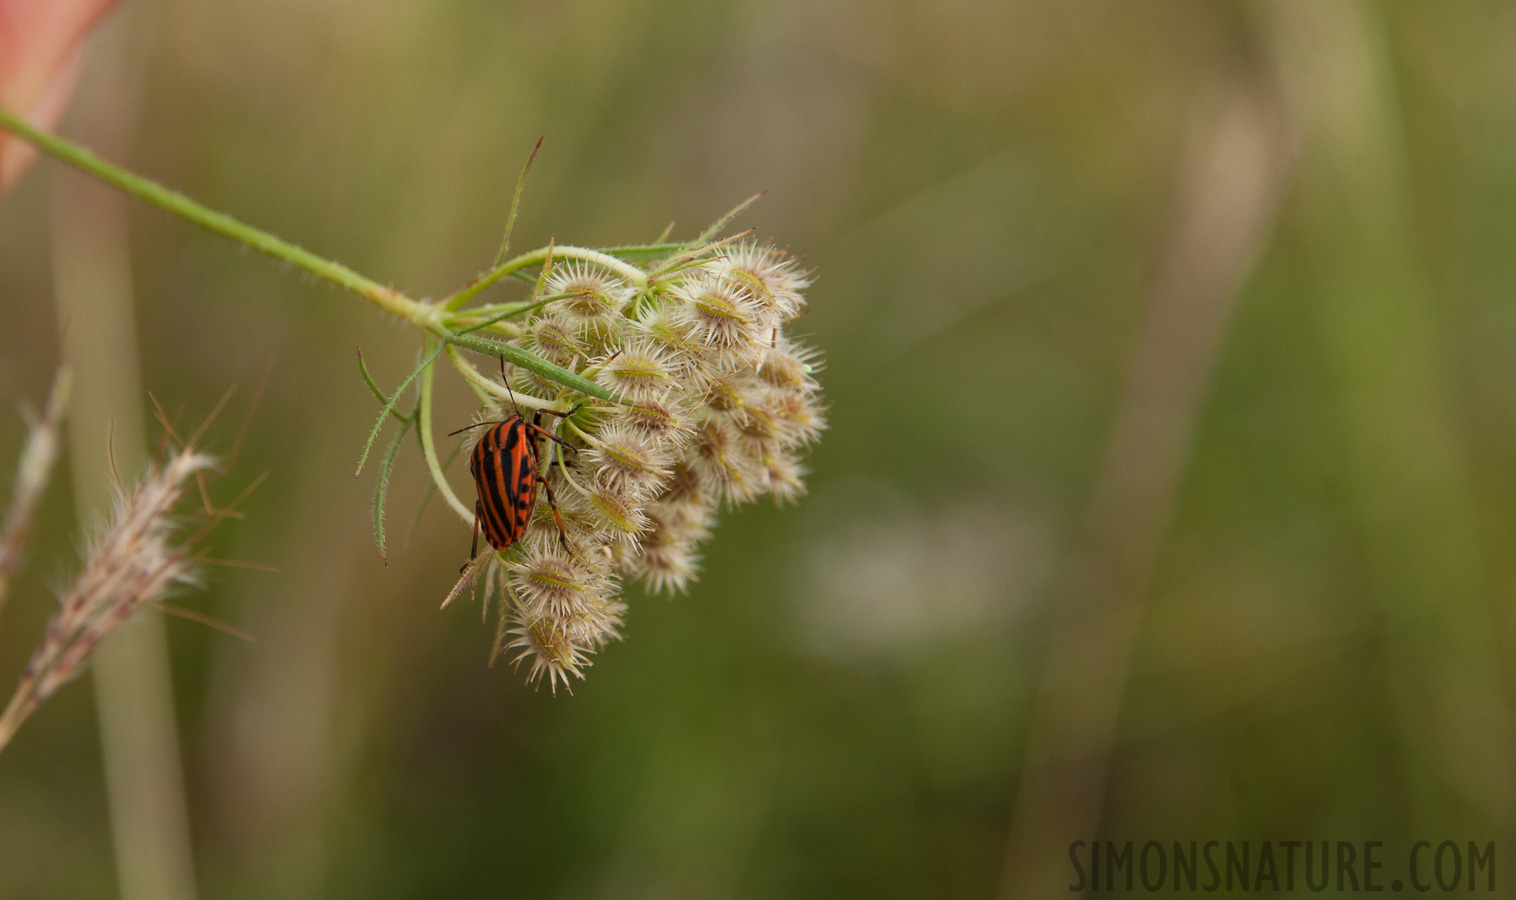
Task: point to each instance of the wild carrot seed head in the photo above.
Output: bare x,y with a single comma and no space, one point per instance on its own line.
715,401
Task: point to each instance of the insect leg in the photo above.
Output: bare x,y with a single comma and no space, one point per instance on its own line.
538,429
507,382
552,501
562,415
473,549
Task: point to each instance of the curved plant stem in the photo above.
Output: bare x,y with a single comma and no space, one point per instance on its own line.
429,449
16,711
431,319
155,194
536,257
480,382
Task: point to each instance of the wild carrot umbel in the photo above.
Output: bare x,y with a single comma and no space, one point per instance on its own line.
676,386
716,405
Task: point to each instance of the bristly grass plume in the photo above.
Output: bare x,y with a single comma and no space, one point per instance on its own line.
147,549
687,393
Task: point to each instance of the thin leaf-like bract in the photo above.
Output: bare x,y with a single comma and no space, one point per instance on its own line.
510,220
389,406
374,385
720,224
382,486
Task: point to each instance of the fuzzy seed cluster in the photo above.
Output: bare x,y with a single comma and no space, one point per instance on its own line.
718,403
136,560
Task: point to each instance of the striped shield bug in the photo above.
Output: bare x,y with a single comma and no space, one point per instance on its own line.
505,466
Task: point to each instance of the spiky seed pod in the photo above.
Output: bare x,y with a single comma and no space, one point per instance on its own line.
668,424
685,485
594,624
675,334
550,581
669,560
555,338
771,278
760,427
548,649
585,291
789,366
529,383
800,419
628,461
667,565
639,371
722,319
724,463
785,477
724,395
619,520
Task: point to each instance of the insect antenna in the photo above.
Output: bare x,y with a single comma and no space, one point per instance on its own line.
470,427
561,414
505,381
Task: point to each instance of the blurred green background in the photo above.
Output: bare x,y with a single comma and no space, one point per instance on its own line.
1173,404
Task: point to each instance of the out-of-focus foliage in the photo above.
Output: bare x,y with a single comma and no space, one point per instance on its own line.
984,190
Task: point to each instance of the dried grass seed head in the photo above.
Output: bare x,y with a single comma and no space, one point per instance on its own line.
132,562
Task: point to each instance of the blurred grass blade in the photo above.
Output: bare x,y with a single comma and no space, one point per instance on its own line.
33,472
172,202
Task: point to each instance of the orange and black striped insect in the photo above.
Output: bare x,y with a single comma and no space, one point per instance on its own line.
506,475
